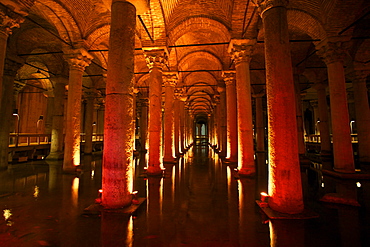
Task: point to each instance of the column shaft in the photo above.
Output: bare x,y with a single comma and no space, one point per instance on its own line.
260,127
323,124
118,122
232,127
285,186
56,146
144,125
342,143
170,82
89,112
362,117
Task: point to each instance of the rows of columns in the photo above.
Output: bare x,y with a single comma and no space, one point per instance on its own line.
281,104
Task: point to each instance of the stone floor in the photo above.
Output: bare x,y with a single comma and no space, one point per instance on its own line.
199,203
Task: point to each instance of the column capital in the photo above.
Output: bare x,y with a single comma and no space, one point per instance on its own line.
265,5
156,57
78,59
9,20
241,49
229,77
170,78
19,85
333,49
259,95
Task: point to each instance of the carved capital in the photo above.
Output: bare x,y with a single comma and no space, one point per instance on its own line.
333,49
9,20
241,50
265,5
155,57
78,59
170,79
229,77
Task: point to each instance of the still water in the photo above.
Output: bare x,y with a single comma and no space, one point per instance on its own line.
198,202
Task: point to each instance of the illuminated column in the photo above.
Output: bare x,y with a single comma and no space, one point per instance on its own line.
223,117
232,127
118,119
170,79
56,146
144,124
182,123
362,115
217,120
259,126
285,186
241,51
332,52
323,115
6,107
156,58
89,114
8,21
77,59
177,119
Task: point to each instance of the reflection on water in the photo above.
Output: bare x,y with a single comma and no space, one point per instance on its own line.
198,202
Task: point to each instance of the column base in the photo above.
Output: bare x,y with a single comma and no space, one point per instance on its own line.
272,214
339,199
155,171
55,156
96,208
247,172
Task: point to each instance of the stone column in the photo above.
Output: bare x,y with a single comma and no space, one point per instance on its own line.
89,114
77,59
232,127
300,126
6,107
223,116
155,60
118,123
49,111
144,124
182,123
332,52
8,21
56,146
241,51
285,187
362,115
177,117
323,115
170,80
259,126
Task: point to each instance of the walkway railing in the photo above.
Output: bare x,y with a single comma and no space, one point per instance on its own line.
33,139
317,139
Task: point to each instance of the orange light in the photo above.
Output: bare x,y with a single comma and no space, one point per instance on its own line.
264,197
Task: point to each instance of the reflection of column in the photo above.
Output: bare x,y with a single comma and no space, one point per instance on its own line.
170,79
115,228
6,108
154,205
362,115
285,233
89,113
285,186
78,59
118,123
333,54
323,115
241,51
155,60
232,135
56,147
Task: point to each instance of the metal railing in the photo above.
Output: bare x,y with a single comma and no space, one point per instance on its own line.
317,138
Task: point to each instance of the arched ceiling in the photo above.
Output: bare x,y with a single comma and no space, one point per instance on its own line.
195,32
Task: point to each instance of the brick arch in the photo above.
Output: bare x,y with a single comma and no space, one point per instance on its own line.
306,23
201,24
61,18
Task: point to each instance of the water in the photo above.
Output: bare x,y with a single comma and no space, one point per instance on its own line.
198,202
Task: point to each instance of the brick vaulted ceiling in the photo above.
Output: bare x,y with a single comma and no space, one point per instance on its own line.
196,33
